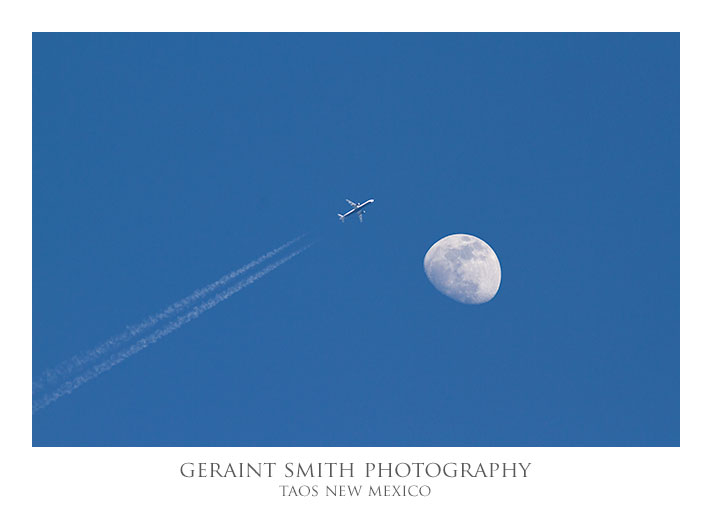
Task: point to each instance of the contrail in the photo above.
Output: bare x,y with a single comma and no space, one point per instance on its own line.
69,366
69,386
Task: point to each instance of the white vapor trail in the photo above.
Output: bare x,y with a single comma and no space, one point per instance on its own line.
69,386
77,362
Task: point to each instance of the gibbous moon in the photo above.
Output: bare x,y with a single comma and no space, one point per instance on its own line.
464,268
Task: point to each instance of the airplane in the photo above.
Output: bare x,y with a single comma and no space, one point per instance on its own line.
358,208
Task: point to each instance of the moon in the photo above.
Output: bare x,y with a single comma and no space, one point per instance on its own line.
464,268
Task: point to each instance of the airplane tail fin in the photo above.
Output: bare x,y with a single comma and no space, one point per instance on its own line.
340,217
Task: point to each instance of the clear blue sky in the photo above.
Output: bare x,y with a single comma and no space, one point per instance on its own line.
160,162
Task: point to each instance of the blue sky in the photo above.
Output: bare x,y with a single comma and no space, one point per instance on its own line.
163,161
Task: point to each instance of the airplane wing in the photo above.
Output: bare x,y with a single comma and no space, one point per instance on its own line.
351,203
360,216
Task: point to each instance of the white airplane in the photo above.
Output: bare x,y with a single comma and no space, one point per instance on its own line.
358,208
